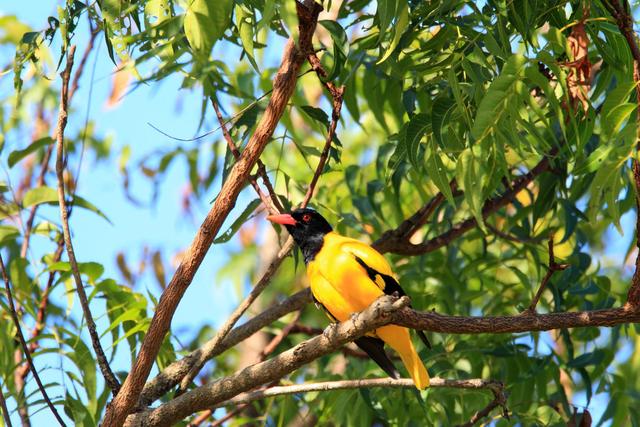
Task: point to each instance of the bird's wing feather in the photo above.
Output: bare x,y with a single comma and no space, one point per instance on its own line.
374,347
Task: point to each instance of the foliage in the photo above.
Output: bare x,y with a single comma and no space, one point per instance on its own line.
476,92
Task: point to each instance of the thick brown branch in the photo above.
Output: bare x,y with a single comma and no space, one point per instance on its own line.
109,376
212,346
212,394
400,246
23,344
172,374
283,87
524,322
553,267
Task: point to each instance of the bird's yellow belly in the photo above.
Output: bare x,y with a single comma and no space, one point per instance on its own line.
342,296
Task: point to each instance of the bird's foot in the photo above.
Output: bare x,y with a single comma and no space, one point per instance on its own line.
330,331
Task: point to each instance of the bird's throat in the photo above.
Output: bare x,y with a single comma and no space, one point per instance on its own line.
310,247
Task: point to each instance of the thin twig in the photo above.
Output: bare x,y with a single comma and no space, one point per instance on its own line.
41,315
494,386
410,226
500,399
109,376
553,267
275,341
212,346
44,165
227,417
272,204
5,411
336,102
23,344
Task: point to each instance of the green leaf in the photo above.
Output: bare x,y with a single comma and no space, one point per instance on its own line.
340,47
438,174
16,156
402,12
245,22
205,22
501,91
39,195
615,118
594,161
385,11
317,114
227,235
471,181
442,108
592,358
84,203
82,358
8,233
416,129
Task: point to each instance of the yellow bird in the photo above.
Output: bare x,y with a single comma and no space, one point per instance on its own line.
346,276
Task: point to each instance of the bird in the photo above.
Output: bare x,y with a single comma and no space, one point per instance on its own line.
346,276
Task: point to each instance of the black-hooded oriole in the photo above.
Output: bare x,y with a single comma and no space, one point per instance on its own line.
346,276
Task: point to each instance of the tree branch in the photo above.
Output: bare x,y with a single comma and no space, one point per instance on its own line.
23,344
213,394
275,341
553,267
392,243
283,87
500,399
109,376
210,395
213,345
5,411
273,205
336,101
524,322
494,386
172,374
411,225
44,165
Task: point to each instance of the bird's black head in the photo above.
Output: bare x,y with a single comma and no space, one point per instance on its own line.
307,227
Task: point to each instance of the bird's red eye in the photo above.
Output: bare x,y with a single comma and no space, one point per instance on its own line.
306,217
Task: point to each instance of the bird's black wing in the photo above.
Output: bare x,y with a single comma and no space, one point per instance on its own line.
391,286
374,347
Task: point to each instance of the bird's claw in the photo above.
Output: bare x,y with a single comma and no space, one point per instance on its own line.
330,330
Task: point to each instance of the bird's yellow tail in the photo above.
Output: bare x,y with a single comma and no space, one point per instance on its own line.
399,339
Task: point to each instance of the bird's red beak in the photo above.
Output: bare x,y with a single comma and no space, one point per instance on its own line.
284,219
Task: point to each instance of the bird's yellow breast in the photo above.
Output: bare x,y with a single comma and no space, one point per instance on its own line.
338,281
